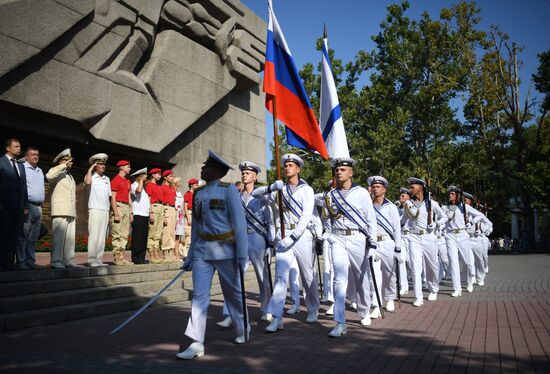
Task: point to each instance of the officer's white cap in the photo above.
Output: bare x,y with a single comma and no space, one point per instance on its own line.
291,157
139,172
218,160
64,154
342,161
377,179
413,180
98,157
249,165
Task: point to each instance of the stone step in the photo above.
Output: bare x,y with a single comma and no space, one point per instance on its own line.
82,272
65,284
83,295
48,316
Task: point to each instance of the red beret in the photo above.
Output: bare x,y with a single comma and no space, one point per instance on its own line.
167,172
123,163
192,181
154,171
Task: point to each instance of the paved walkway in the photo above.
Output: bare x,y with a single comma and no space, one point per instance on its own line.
502,327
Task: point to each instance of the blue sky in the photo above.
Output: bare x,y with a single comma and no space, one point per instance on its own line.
351,23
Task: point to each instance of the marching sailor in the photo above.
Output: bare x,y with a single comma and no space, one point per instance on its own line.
404,195
261,233
477,234
351,234
388,236
458,241
219,241
298,209
422,239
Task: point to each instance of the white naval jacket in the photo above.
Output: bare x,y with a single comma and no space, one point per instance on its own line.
217,210
416,215
455,215
304,195
360,199
393,223
262,218
63,191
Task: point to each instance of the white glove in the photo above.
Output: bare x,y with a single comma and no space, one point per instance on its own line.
276,186
477,232
374,254
284,244
399,256
487,232
331,239
431,227
242,262
469,225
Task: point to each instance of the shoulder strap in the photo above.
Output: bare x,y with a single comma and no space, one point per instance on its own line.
351,212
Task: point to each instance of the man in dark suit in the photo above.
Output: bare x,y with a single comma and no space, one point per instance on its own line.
14,204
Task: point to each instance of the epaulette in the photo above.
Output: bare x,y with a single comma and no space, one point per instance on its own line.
224,184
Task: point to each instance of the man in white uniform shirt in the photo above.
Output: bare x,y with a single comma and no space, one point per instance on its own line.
141,210
404,195
99,187
422,239
390,246
298,208
351,232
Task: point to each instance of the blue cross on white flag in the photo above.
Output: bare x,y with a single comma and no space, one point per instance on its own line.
330,120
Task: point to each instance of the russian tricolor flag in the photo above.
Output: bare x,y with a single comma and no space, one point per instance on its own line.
282,82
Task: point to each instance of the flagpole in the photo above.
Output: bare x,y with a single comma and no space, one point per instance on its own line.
278,165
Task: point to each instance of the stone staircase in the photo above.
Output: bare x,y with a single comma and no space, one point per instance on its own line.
43,297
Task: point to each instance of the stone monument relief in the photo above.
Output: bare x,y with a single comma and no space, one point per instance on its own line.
156,81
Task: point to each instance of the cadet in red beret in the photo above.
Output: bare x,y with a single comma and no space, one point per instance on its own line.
188,202
156,216
169,229
122,212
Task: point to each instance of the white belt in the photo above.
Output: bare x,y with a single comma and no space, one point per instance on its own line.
381,238
419,232
345,232
456,231
290,226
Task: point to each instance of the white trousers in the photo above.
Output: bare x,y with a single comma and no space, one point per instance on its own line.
203,272
443,257
63,237
478,248
302,251
457,245
423,249
403,266
98,220
486,247
294,282
384,271
349,259
328,272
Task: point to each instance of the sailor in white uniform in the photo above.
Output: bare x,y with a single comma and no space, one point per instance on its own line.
388,236
298,209
219,242
261,235
458,240
477,242
352,236
404,195
422,239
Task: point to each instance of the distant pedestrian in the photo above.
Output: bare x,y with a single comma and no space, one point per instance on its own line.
141,209
28,237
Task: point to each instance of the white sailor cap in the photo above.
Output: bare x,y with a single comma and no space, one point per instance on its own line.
454,189
291,157
413,180
469,195
377,179
215,160
98,157
139,172
249,165
64,154
404,190
342,161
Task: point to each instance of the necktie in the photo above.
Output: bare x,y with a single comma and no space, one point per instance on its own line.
15,167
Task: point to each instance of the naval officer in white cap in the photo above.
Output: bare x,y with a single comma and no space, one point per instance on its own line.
352,236
98,186
261,234
219,242
298,208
